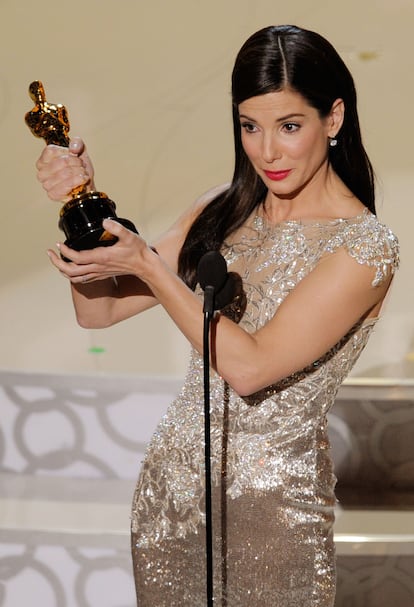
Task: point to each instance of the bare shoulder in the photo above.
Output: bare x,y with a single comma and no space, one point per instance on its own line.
186,219
170,242
202,201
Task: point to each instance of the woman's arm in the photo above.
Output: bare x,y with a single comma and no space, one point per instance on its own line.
313,318
113,296
321,309
106,301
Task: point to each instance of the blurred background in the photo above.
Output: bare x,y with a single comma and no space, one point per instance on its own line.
147,85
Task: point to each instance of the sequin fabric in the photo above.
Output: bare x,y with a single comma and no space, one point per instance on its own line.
272,474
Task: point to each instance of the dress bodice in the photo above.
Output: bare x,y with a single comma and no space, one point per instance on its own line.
271,470
273,259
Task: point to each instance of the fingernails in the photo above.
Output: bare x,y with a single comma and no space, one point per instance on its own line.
109,219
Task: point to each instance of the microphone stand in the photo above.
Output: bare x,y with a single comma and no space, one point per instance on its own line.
219,290
208,311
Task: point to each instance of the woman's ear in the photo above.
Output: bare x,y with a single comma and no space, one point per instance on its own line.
336,118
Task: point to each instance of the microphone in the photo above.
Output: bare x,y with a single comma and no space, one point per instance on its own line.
218,285
212,270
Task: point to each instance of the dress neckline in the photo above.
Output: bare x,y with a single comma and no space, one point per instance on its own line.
261,221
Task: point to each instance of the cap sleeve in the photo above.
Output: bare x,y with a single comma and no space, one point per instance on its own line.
371,243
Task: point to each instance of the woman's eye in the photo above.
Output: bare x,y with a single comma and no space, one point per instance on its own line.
248,127
291,127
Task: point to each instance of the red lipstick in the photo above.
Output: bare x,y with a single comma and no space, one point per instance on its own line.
277,175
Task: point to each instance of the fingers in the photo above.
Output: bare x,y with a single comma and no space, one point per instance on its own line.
115,228
88,260
62,176
60,170
123,257
81,266
77,146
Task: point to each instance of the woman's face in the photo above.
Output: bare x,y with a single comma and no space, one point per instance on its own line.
286,140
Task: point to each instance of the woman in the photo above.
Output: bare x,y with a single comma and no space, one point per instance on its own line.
298,225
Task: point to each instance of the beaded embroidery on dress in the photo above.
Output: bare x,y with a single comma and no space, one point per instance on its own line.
273,481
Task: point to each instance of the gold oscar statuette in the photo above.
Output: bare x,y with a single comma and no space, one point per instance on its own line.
80,218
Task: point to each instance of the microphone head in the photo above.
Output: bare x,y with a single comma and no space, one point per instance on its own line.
227,293
212,270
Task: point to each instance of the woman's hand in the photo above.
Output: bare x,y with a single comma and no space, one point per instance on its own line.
60,170
129,256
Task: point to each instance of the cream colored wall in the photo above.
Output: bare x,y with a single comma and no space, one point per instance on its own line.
147,86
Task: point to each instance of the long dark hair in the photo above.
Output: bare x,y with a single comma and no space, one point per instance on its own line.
273,59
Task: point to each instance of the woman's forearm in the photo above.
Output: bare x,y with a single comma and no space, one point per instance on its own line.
232,346
103,303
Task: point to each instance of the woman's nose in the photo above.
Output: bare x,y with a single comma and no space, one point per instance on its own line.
270,151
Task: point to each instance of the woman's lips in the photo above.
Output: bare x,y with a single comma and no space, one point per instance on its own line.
277,175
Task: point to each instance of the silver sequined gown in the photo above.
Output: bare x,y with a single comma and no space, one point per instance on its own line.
273,482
